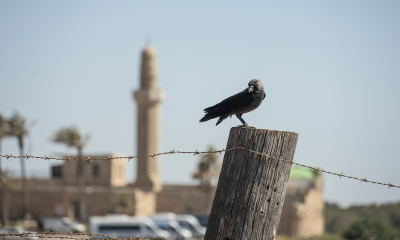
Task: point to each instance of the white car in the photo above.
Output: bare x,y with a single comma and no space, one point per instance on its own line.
56,224
192,224
186,221
124,226
169,224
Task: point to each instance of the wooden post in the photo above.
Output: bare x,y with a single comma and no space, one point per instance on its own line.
251,187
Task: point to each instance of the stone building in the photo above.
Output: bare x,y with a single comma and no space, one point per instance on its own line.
97,173
107,190
303,210
148,99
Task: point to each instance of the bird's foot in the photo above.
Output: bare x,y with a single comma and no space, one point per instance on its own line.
246,126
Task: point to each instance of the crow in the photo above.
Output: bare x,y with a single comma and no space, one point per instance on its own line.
238,104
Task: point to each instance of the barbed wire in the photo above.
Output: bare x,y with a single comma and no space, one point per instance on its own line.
89,159
71,235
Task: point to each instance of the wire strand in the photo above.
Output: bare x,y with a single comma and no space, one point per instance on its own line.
89,159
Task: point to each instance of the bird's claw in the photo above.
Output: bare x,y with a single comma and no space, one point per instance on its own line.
246,126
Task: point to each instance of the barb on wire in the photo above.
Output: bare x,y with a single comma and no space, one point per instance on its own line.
89,159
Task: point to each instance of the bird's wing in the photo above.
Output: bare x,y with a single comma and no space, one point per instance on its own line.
235,102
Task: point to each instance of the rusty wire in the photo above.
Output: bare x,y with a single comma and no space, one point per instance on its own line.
89,159
85,236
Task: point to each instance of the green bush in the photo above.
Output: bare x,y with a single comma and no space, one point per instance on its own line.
370,230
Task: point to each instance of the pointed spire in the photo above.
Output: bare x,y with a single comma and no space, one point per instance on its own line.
148,73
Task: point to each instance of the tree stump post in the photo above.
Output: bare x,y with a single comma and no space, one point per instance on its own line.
251,188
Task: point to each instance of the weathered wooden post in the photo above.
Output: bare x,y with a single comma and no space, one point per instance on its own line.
251,187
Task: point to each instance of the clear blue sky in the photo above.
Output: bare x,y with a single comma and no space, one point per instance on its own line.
330,70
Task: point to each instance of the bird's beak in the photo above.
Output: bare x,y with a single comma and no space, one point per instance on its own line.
251,89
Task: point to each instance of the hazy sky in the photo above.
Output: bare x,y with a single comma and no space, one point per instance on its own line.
331,71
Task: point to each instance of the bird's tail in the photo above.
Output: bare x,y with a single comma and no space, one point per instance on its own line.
222,118
209,113
207,117
210,109
211,116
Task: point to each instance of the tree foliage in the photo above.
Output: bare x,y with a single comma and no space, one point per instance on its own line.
17,127
71,137
208,168
4,127
370,229
338,220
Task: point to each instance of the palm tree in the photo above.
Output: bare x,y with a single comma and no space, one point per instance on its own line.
208,170
72,138
4,131
19,130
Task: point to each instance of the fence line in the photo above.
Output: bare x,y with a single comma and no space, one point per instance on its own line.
83,236
89,159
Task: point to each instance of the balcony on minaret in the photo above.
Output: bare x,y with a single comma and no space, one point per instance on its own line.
148,92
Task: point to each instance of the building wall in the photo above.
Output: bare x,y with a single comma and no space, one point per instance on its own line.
43,201
110,173
302,214
145,204
51,200
118,176
185,199
131,201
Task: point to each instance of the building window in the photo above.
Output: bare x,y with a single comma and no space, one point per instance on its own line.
56,171
95,170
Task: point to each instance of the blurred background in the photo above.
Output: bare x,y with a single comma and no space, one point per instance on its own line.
329,69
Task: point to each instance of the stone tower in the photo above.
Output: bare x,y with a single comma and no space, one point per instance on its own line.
148,99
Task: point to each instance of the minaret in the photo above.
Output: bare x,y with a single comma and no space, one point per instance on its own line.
148,99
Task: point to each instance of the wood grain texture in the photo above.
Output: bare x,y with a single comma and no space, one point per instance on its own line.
251,188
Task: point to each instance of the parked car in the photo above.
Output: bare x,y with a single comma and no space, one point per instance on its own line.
54,224
202,219
191,223
186,221
124,226
16,230
168,223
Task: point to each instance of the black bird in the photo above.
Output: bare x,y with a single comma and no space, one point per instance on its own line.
238,104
